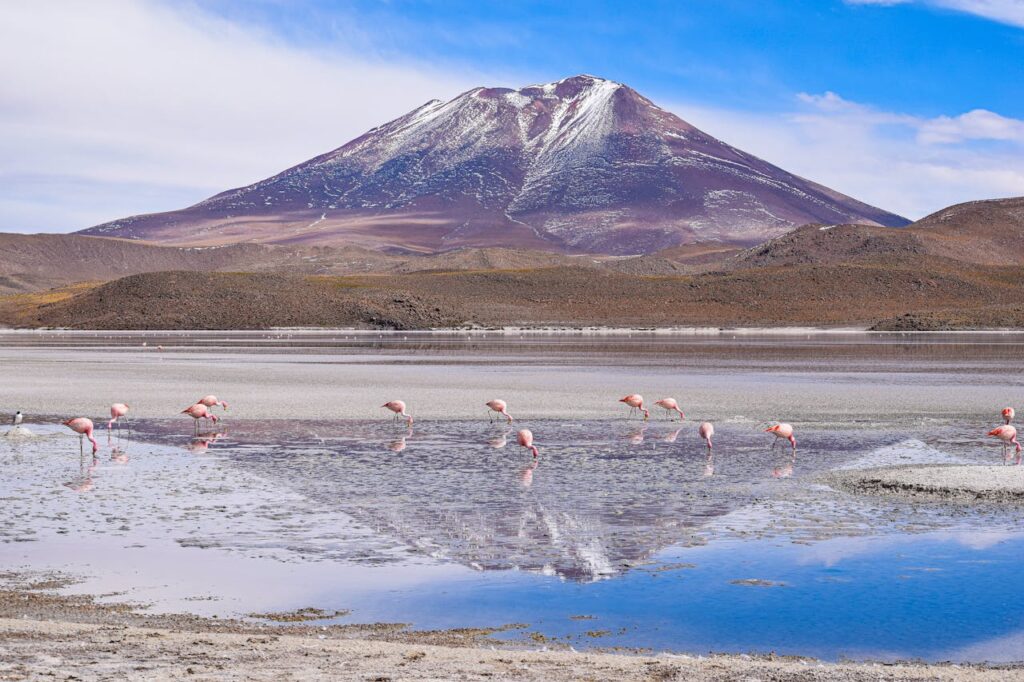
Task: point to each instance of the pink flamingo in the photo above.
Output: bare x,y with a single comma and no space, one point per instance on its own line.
670,405
199,411
398,407
211,401
499,406
117,412
1008,414
83,427
525,438
707,431
1008,435
635,402
784,432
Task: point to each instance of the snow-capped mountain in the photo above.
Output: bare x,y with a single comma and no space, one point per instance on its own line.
580,165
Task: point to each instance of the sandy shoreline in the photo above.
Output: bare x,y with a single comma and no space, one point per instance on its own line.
45,635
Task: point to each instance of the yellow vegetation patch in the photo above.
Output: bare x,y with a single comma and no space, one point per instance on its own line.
40,298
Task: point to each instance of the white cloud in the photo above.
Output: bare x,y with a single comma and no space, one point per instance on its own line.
119,107
903,163
1003,11
978,124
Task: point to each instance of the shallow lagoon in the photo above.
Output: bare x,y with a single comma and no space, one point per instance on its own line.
624,534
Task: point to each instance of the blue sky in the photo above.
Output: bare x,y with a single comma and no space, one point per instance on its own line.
117,107
914,57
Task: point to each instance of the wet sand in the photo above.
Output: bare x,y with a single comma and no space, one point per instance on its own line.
946,482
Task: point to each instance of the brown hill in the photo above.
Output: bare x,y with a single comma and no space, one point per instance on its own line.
960,268
830,295
36,262
204,300
42,261
977,231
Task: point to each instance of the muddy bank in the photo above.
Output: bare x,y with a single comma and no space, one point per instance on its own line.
937,482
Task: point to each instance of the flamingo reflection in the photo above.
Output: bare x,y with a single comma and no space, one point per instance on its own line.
526,475
399,444
83,483
500,441
201,442
785,470
636,437
671,436
709,464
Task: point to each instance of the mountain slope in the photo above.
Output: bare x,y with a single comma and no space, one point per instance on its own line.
581,165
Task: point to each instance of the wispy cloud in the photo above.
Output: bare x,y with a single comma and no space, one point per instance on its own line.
908,164
1004,11
117,107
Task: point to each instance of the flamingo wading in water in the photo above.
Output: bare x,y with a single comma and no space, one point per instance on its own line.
1007,434
782,432
398,407
83,427
211,401
670,405
1008,414
635,402
499,406
118,411
525,438
707,431
197,412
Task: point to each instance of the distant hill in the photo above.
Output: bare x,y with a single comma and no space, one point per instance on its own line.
978,232
960,268
583,165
